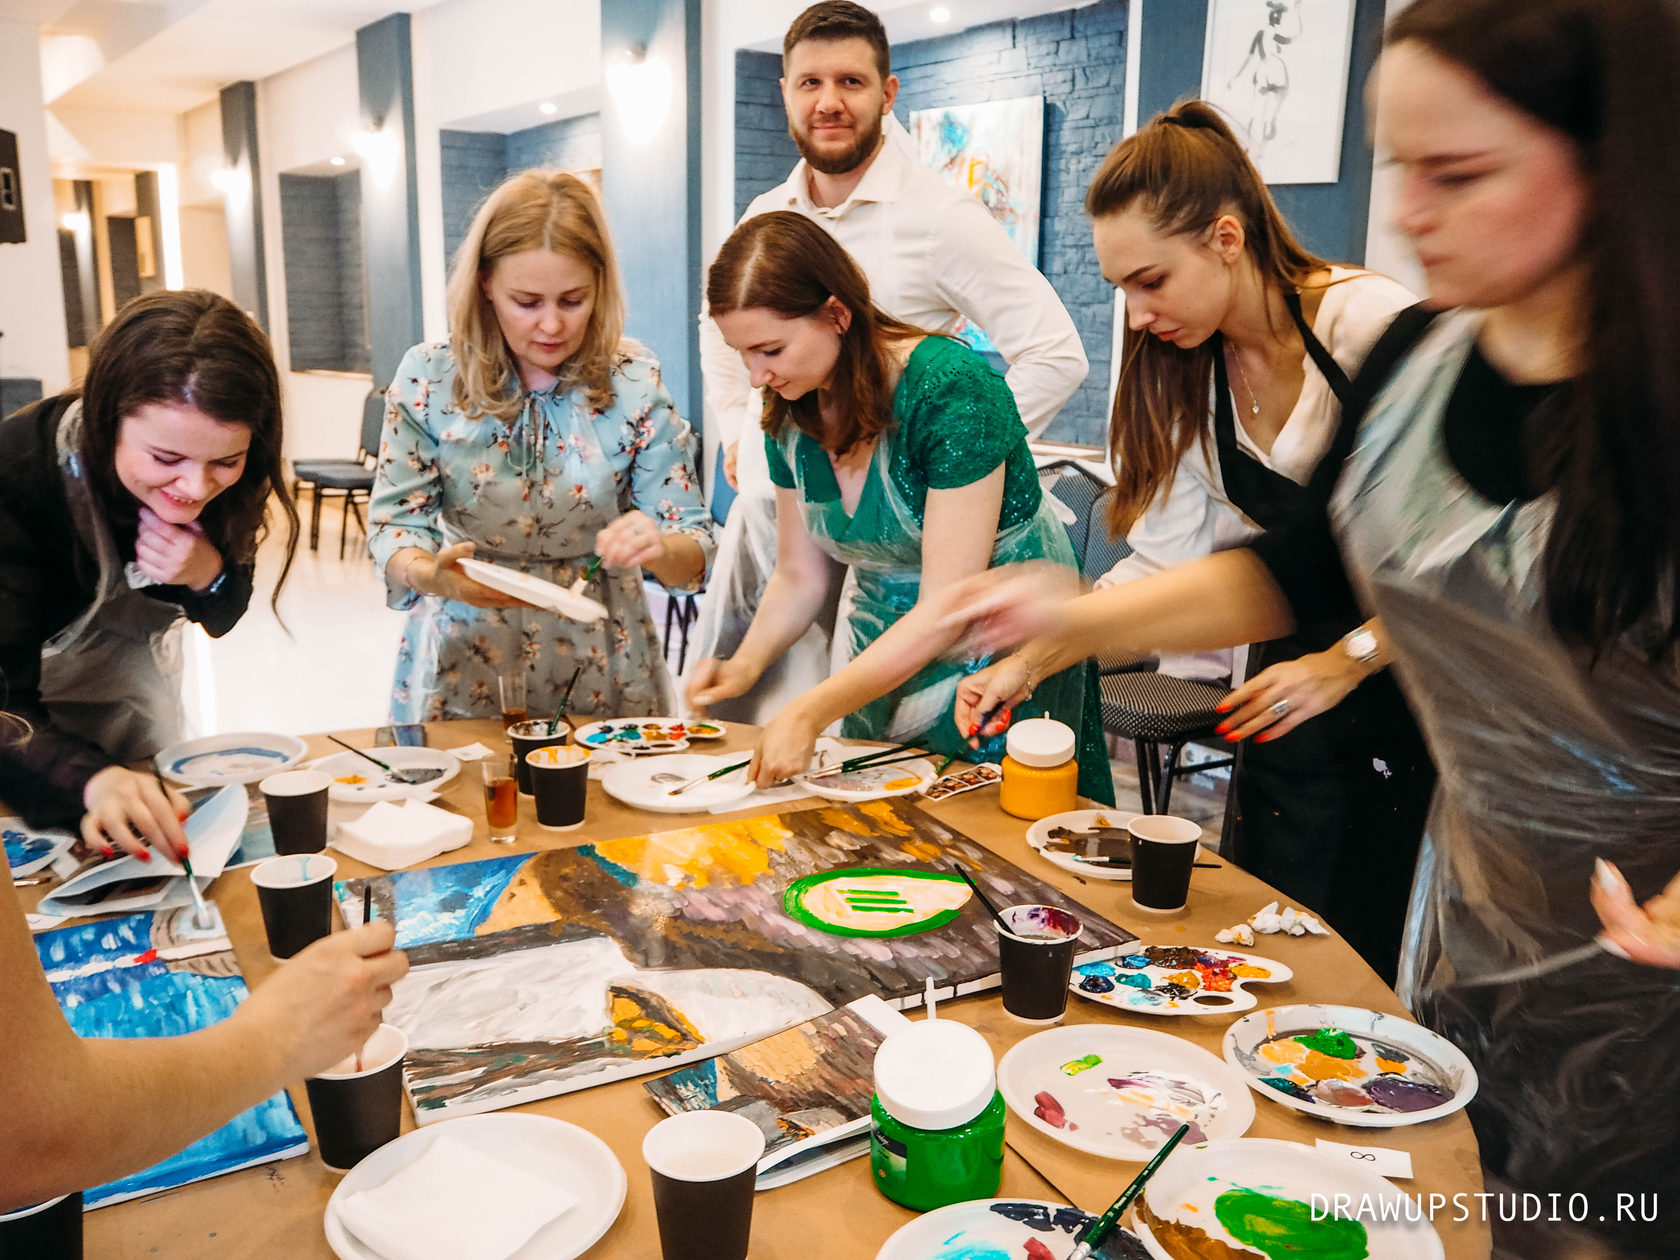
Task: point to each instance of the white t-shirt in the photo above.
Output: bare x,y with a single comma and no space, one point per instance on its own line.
1194,517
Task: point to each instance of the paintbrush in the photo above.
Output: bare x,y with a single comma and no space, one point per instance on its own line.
201,912
944,765
863,759
585,580
1000,707
1103,1224
707,778
367,918
846,767
984,900
566,696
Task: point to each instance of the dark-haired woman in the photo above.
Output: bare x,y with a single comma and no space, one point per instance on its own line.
124,508
894,451
1239,349
1508,511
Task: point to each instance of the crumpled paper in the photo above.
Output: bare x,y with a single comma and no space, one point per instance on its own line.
1268,921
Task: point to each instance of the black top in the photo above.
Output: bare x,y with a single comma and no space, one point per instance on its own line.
48,577
1491,430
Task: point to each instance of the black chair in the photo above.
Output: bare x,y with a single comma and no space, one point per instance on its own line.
352,478
1077,489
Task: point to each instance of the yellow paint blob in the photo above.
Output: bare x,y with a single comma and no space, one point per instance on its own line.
1189,979
1389,1065
886,819
1321,1067
1290,1051
698,855
1248,971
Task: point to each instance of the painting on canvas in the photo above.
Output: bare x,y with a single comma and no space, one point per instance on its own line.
1279,71
994,151
155,975
537,974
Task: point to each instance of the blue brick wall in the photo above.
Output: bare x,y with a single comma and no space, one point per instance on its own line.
326,304
570,144
474,162
1077,61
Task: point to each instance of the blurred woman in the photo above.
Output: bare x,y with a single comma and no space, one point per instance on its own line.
541,439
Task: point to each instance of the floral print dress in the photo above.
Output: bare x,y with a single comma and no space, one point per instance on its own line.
531,496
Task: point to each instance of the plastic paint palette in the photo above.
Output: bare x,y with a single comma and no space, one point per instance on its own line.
1350,1065
646,735
1177,980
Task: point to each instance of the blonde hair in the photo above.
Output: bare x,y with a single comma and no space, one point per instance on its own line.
538,209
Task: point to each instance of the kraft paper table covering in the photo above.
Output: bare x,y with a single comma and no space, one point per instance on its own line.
276,1210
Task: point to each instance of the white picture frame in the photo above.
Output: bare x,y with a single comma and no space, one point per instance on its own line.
1278,69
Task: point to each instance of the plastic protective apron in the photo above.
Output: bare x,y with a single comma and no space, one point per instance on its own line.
889,579
1331,813
113,676
1544,765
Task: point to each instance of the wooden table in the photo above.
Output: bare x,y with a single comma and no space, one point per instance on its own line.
276,1210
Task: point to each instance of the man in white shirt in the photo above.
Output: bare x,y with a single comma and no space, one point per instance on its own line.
933,256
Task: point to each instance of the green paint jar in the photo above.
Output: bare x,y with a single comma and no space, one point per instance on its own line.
937,1131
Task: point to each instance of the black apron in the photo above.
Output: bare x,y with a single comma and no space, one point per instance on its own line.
1332,813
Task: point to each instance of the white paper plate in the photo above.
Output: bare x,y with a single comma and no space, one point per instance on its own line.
1190,1181
641,784
1000,1227
650,735
909,776
544,1147
244,757
28,850
1165,1081
1410,1056
1199,988
1038,835
375,786
534,590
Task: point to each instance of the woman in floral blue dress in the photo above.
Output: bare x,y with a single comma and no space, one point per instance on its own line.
537,438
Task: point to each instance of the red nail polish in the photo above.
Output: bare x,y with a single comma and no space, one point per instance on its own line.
145,855
183,849
108,851
973,730
1230,739
1220,730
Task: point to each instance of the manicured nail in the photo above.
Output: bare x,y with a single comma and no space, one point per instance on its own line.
1222,707
108,851
183,848
973,730
145,855
1610,947
1221,729
1607,877
1230,739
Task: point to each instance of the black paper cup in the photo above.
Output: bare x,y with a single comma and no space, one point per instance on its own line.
527,737
704,1166
1163,855
359,1109
46,1231
297,810
1036,954
295,894
560,783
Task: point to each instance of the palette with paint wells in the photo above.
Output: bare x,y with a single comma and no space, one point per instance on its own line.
1178,980
1259,1197
1122,1092
646,735
1351,1065
1003,1229
873,783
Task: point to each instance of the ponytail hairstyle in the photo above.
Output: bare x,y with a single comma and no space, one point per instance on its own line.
550,210
1184,169
784,263
193,348
1603,74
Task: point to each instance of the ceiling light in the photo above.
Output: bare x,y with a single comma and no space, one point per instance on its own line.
940,15
548,107
338,161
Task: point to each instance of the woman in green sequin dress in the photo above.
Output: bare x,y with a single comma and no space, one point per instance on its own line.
901,454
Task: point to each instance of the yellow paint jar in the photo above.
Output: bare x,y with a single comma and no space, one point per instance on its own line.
1040,774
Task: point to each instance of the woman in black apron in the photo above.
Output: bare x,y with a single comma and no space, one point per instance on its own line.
1329,812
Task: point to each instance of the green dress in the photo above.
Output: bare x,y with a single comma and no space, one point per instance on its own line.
954,422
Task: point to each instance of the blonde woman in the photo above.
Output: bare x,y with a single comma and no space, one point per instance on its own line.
539,438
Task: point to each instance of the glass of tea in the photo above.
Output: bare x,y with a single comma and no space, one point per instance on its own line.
512,688
501,798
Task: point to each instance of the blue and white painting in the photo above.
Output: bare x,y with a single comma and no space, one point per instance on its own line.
27,850
155,975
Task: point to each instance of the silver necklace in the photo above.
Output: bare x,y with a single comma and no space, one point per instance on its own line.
1253,398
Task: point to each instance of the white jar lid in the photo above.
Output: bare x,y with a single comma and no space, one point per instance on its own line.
1040,742
936,1074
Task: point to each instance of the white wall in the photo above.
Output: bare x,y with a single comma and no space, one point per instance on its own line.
99,137
306,115
31,290
205,263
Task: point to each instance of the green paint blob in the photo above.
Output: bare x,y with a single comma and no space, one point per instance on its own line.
1081,1065
1332,1042
1284,1229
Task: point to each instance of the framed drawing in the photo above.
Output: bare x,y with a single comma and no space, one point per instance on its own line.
1279,70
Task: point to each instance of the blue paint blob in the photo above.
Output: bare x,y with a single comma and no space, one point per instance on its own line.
1096,969
1285,1086
1137,980
1135,962
1096,984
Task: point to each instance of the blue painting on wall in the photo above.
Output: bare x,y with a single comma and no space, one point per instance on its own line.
155,975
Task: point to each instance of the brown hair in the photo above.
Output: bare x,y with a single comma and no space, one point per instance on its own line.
192,348
1184,170
784,263
835,20
549,210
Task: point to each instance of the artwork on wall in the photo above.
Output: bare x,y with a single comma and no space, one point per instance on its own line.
1279,70
538,974
157,975
995,151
